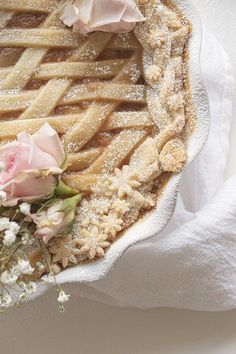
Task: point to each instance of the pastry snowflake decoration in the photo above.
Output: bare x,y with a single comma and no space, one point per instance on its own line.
111,225
93,243
94,120
124,182
64,250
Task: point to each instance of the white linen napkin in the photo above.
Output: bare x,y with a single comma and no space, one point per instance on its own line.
192,263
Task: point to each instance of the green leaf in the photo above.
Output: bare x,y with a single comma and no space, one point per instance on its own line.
70,204
62,190
65,163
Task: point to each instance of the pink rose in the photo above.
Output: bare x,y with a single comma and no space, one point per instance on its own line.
56,219
102,15
29,166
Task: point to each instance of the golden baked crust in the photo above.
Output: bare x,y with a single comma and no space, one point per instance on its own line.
118,103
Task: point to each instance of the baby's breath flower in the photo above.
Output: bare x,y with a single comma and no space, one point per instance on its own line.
25,208
4,224
49,279
9,238
9,277
5,301
24,267
14,227
63,297
26,238
29,288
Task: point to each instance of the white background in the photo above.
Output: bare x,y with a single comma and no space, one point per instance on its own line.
88,327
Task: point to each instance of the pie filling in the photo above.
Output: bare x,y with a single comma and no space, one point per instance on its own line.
120,103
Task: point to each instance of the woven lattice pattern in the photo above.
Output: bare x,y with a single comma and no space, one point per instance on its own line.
118,102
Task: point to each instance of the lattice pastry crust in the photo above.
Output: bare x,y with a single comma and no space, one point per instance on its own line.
120,103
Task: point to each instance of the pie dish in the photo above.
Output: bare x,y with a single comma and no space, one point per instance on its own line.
125,108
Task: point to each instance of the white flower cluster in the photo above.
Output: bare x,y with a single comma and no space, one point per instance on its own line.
25,208
28,289
11,229
6,299
48,279
63,297
11,278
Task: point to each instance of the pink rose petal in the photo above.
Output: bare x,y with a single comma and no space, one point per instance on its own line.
14,157
25,162
102,15
48,141
29,186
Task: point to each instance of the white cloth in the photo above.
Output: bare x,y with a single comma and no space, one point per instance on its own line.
192,263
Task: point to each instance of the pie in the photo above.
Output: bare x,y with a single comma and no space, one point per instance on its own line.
120,103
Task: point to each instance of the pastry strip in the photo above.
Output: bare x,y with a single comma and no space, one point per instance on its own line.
171,131
28,5
40,37
91,48
97,114
47,99
84,159
83,183
118,120
29,60
119,149
85,92
100,69
100,91
124,41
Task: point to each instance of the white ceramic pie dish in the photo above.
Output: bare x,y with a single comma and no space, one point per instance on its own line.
156,220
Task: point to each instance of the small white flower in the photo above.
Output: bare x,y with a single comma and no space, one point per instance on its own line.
9,277
63,297
5,301
24,267
14,227
3,196
25,208
49,279
9,238
26,239
23,296
29,288
4,224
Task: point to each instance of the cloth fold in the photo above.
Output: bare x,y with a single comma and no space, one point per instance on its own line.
191,264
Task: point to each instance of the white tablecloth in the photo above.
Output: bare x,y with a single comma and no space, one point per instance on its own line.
192,263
